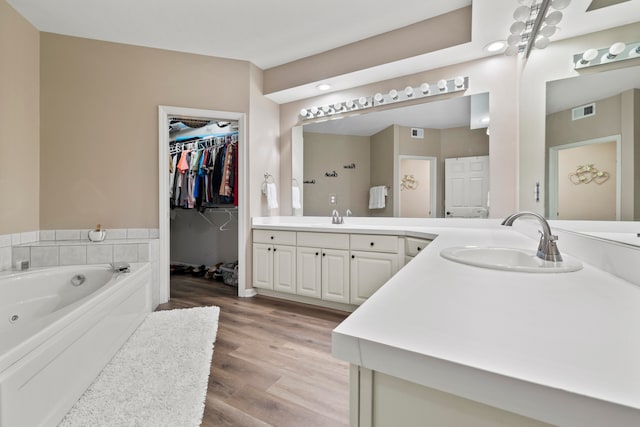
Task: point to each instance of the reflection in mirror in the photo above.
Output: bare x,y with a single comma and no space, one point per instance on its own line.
592,127
392,162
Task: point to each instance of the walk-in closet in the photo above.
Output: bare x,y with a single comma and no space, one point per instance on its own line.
203,198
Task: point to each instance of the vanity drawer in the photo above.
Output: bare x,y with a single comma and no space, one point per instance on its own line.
412,245
376,243
323,240
275,236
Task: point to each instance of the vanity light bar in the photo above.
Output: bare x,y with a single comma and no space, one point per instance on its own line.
393,96
616,52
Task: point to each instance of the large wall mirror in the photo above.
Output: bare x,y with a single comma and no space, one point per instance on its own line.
592,146
396,162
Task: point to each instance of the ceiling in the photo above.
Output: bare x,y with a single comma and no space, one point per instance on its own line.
271,33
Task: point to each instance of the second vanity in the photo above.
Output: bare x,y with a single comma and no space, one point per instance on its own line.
443,343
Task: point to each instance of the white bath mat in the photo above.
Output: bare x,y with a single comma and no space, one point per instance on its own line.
158,378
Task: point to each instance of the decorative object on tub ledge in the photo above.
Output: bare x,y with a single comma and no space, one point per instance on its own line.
98,234
585,174
269,190
408,182
158,377
409,93
332,174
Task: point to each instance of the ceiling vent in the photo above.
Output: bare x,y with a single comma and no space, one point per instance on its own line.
583,111
417,133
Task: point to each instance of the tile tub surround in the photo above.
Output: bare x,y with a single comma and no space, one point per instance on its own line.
46,248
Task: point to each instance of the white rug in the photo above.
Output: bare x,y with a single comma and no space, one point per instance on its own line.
158,378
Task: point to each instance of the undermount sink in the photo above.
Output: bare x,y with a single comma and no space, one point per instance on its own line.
510,259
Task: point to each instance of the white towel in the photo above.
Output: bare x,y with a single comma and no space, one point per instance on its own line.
377,197
295,198
272,196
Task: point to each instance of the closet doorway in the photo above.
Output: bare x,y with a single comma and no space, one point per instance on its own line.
206,229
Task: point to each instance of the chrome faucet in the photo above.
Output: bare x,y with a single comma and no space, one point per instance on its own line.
348,212
547,248
336,218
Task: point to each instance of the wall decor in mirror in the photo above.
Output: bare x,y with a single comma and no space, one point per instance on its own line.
392,162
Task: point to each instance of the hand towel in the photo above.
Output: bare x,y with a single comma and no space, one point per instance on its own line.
377,197
272,196
295,198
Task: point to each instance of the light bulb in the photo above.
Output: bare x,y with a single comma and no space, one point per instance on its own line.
337,106
459,82
326,109
522,13
514,39
378,97
442,85
408,91
363,101
349,104
393,94
616,49
304,112
548,30
588,56
323,86
560,4
424,88
517,27
541,42
511,50
553,18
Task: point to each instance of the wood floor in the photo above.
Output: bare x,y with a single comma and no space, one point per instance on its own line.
272,363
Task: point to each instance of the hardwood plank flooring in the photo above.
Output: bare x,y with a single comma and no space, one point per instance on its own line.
272,363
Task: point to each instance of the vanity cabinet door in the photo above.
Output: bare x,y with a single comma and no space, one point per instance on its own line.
309,272
284,268
335,275
262,266
369,271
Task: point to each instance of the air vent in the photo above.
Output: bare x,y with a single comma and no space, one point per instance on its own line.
417,133
583,111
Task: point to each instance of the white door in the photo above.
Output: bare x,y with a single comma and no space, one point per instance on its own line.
466,187
369,271
335,275
284,269
262,266
308,272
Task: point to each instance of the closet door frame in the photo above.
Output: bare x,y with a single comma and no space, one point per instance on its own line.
161,294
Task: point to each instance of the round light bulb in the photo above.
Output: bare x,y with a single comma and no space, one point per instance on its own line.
337,106
589,55
553,18
378,97
362,101
560,4
511,50
514,39
541,42
525,2
459,82
442,85
326,108
314,110
393,94
616,49
408,91
424,88
304,112
522,13
548,30
517,27
349,104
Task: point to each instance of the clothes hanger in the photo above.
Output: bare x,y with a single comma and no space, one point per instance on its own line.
222,227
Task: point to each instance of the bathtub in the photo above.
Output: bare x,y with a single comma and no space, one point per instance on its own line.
56,336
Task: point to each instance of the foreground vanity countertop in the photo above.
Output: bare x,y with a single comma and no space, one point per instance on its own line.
562,348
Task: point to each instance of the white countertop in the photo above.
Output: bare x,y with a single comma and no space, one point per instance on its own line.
562,348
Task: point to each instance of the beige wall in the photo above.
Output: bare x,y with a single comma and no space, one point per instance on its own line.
19,122
553,63
99,124
496,75
415,202
327,153
384,150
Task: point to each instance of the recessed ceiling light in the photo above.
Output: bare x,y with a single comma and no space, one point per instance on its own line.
485,120
495,46
323,86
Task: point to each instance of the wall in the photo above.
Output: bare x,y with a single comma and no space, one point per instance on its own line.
328,153
415,203
19,123
553,63
636,132
383,169
99,121
496,75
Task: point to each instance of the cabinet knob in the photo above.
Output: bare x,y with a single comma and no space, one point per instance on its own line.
317,253
271,237
353,257
323,254
274,249
269,249
372,243
419,248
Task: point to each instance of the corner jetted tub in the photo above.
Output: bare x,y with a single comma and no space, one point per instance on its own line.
58,329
